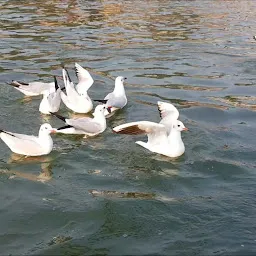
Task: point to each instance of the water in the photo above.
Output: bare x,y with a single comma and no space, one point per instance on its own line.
106,195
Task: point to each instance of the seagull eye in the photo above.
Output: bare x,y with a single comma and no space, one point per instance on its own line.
178,125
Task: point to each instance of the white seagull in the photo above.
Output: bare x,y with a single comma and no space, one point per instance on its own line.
163,138
29,145
85,80
77,102
116,99
51,101
85,125
32,88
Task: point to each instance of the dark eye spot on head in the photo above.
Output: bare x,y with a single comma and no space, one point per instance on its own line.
178,125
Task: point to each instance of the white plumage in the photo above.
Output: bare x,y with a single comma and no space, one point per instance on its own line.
29,145
164,137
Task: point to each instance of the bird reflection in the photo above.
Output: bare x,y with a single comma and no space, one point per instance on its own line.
45,163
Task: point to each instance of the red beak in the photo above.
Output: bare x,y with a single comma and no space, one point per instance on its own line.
109,110
185,129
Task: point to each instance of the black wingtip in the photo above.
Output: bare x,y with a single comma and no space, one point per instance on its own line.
56,83
14,83
63,66
23,83
159,111
76,71
6,133
102,101
59,116
65,127
69,78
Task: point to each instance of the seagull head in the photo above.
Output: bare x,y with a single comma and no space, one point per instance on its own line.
179,126
100,109
46,129
120,80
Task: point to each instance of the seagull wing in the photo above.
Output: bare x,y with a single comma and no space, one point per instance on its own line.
85,124
109,96
168,113
156,132
85,80
32,88
22,144
69,85
167,110
55,100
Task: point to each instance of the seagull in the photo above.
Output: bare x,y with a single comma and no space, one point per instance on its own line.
32,88
163,138
116,99
30,145
77,102
84,125
85,80
51,101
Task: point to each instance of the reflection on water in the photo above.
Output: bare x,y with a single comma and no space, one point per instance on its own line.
199,55
45,163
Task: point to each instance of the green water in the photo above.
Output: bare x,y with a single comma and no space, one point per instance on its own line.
106,195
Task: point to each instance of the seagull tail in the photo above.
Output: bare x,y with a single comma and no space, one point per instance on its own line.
17,83
64,127
6,132
59,116
56,83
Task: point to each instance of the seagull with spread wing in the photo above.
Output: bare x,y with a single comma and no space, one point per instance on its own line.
163,138
77,102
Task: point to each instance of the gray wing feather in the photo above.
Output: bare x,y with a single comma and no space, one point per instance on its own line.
117,102
85,124
22,144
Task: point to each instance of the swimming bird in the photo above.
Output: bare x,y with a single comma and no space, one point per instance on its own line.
85,80
29,145
85,125
77,102
51,101
158,141
164,137
116,99
32,88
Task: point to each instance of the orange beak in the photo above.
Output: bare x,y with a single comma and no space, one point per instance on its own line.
53,131
185,129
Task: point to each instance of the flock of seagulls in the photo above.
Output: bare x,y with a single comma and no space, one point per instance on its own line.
163,138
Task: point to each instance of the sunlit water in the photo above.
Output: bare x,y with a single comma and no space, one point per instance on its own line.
106,195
